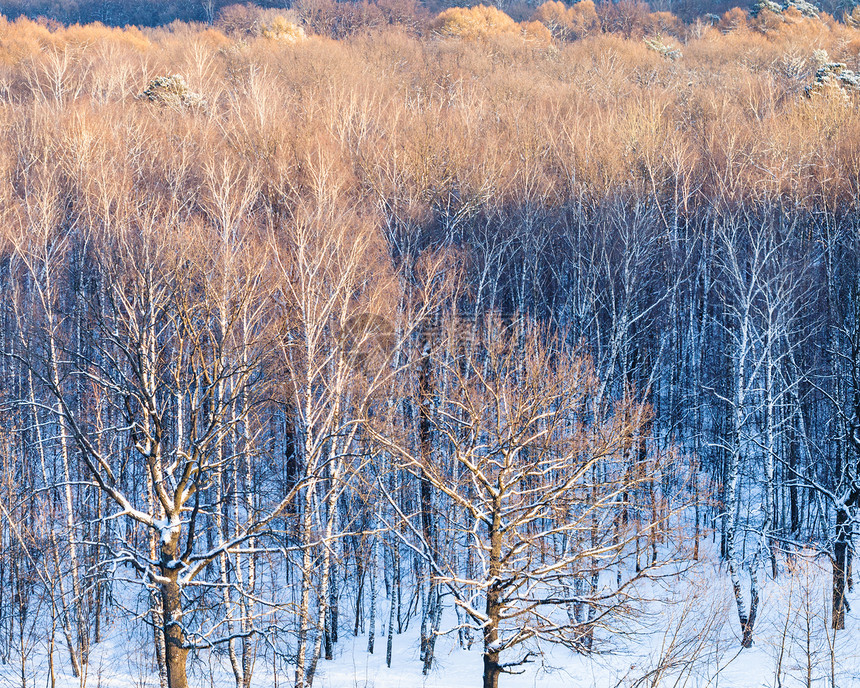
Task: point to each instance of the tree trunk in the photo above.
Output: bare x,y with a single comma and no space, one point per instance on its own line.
374,567
840,567
770,520
428,622
748,625
733,493
393,610
492,670
174,634
304,608
793,502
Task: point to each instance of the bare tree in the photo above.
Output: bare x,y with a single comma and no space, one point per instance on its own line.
528,472
178,374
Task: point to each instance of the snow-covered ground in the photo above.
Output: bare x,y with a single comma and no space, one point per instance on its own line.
687,637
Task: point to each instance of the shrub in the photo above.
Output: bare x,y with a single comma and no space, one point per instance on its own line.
766,20
765,5
343,19
664,23
568,23
171,91
733,20
536,32
770,15
238,19
627,17
807,9
657,45
279,29
831,76
473,23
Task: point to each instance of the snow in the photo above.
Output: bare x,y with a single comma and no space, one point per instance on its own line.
168,528
689,628
697,614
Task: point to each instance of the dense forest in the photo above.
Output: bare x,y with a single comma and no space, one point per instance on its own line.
378,321
340,16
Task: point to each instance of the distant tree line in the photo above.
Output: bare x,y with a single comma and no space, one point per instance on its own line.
120,12
342,17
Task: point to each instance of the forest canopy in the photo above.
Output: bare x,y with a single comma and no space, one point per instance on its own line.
329,320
